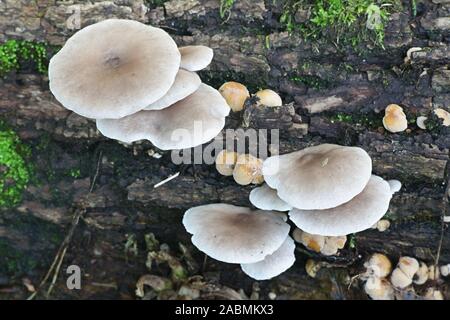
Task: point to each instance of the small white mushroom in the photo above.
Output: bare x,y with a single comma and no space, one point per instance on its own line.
333,244
408,265
235,94
421,275
186,83
266,198
273,264
319,177
383,225
378,265
225,162
235,234
248,170
443,115
379,289
104,73
195,58
445,270
394,119
357,215
269,98
399,279
420,121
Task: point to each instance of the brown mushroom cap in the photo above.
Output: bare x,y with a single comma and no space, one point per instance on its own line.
394,119
357,215
274,264
235,234
186,83
319,177
195,58
114,68
188,123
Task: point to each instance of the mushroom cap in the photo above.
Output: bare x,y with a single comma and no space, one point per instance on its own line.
266,198
313,242
394,119
444,115
320,177
273,264
357,215
378,265
195,58
333,244
421,276
235,234
248,170
114,68
395,185
186,83
420,121
399,279
379,289
225,162
186,124
408,265
269,98
235,94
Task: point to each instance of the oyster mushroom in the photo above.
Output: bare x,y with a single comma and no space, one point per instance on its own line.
186,83
248,170
273,264
359,214
378,266
195,58
104,73
235,234
225,162
187,123
320,177
443,115
266,198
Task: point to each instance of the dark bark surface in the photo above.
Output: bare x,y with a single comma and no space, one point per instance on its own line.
346,108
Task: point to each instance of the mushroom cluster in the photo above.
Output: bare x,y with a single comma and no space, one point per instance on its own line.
245,168
330,188
137,84
382,284
329,191
236,94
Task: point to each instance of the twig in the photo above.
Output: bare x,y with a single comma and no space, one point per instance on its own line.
61,253
444,213
166,180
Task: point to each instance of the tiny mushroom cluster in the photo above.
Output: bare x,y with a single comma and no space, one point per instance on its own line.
329,191
383,283
395,120
137,84
244,168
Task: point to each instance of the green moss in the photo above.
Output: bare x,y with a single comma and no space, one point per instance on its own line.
225,8
340,21
14,54
370,120
311,81
15,173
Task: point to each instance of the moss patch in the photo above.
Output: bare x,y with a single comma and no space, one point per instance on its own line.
15,173
340,21
16,55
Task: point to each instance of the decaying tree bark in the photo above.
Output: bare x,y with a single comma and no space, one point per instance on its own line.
249,47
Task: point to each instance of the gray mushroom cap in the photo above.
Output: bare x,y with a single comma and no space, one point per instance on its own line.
359,214
266,198
195,58
274,264
320,177
188,123
235,234
185,84
114,68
